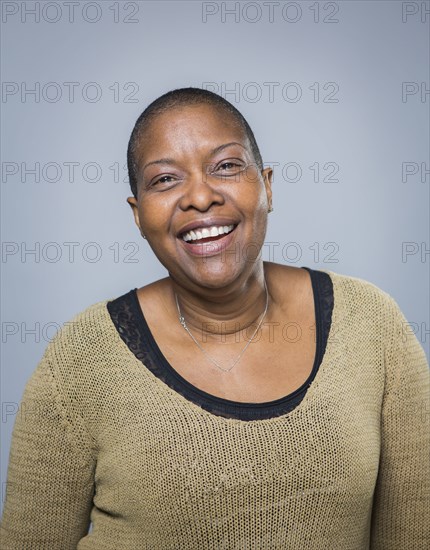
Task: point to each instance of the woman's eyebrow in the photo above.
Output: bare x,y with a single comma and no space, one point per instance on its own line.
159,161
224,145
213,152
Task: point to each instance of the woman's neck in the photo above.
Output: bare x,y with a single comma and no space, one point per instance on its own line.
224,311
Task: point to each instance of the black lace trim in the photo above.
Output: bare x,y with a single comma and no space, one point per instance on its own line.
129,320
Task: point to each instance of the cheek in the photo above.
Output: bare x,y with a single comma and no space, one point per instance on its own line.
155,214
253,189
257,206
255,200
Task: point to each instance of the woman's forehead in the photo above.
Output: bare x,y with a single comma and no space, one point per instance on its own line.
206,115
201,122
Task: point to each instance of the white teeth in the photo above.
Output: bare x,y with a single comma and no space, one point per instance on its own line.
204,232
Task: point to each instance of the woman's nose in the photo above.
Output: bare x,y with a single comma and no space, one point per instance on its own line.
200,192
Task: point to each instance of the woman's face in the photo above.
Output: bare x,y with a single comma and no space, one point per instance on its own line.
202,201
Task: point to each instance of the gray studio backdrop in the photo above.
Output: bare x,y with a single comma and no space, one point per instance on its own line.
337,94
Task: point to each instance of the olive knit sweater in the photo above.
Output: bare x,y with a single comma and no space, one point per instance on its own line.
99,438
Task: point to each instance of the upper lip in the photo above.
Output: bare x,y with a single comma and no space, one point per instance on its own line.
207,222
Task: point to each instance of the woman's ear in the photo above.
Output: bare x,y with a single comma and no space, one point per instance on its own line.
267,175
132,201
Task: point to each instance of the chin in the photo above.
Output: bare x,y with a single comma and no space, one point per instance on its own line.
217,275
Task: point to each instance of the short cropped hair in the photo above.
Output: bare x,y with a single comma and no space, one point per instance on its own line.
182,97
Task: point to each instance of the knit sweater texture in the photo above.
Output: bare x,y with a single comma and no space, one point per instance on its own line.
99,438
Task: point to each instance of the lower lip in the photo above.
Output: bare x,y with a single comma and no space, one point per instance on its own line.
210,248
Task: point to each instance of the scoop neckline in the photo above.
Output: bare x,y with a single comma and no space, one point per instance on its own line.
228,403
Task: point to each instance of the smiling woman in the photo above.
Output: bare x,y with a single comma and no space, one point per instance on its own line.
195,168
236,403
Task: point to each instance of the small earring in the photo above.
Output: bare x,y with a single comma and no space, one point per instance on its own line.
270,209
143,235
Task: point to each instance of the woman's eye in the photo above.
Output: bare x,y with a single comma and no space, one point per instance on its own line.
163,179
229,165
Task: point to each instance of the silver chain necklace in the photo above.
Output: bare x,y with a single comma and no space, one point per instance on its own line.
183,323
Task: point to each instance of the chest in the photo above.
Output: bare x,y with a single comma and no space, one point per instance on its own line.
274,364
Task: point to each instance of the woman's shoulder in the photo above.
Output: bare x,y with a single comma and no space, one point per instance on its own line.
86,332
367,308
358,289
357,299
352,287
83,349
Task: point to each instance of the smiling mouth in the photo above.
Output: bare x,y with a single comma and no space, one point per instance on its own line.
207,234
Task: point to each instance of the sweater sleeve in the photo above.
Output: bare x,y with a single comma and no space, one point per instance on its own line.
50,482
401,506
